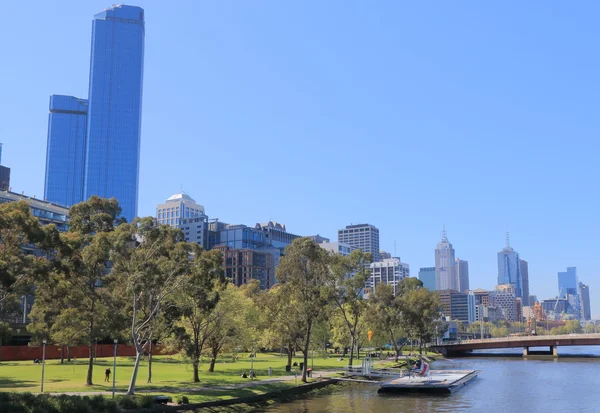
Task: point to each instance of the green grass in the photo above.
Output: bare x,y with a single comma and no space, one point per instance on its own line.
169,376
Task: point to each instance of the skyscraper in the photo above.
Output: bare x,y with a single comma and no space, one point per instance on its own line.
427,277
509,268
363,236
4,174
94,144
445,265
462,275
65,151
115,107
525,277
584,293
568,282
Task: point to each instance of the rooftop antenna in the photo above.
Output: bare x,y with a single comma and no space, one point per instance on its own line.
507,241
444,237
395,255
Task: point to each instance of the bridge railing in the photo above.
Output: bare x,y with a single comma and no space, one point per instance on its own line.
385,372
518,338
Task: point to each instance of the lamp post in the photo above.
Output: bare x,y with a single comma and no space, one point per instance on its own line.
115,368
43,363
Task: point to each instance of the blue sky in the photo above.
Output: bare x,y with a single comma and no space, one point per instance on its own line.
406,115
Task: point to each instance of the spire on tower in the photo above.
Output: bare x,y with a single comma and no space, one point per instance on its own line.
507,241
444,237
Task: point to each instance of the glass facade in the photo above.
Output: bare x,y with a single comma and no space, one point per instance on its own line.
115,107
65,153
509,270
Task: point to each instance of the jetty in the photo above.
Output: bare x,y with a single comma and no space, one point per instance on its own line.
437,382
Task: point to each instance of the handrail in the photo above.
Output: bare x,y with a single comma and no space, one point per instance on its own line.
518,338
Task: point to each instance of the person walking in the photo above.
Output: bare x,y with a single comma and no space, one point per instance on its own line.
270,372
107,375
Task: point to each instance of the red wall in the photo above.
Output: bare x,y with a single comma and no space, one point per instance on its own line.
14,353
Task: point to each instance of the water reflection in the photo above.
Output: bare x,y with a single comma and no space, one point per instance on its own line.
505,384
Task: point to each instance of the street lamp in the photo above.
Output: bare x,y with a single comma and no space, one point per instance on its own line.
114,368
43,363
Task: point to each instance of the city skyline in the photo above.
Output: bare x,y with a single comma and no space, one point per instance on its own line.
252,99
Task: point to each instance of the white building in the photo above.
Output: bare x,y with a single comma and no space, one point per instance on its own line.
337,247
363,236
177,207
388,271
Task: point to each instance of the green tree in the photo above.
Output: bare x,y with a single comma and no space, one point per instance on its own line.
196,298
149,264
345,287
384,317
420,312
303,273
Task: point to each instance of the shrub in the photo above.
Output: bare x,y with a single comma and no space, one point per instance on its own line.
185,400
127,402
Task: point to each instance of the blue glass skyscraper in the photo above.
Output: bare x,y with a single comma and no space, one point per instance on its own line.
509,268
65,153
115,107
104,159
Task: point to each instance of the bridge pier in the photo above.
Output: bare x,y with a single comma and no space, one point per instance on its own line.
552,351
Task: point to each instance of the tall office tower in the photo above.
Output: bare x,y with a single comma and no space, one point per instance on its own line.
509,268
390,271
176,208
4,174
65,151
115,107
427,277
445,265
525,277
94,144
584,294
462,275
363,236
568,282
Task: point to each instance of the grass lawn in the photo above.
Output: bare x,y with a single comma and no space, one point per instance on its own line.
169,375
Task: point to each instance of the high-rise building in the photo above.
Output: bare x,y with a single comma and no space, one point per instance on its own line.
94,144
4,174
584,294
507,301
509,268
455,305
568,282
115,106
525,277
427,277
177,207
390,271
65,150
362,236
445,265
462,275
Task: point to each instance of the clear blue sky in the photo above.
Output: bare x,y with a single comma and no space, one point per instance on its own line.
318,114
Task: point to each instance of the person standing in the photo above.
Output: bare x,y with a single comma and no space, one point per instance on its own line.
107,375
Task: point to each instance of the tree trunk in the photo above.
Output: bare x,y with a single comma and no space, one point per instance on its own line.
306,344
289,354
150,361
196,376
68,354
90,372
215,353
136,366
351,359
62,355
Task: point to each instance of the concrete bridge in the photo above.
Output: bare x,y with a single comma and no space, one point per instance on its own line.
459,348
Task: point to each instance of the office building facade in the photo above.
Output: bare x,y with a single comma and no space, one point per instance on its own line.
244,265
525,279
65,150
509,268
363,236
427,277
507,301
462,275
176,208
4,174
445,265
337,248
104,158
455,305
584,295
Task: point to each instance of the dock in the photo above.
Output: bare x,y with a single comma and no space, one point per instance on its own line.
439,382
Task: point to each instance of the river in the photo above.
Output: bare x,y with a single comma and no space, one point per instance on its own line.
505,384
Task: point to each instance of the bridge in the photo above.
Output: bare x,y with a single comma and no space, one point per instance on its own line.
525,342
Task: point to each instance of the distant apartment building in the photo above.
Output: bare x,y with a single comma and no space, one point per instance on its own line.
390,271
177,207
362,236
525,278
427,277
4,174
195,230
243,265
507,301
462,275
455,305
445,265
337,247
